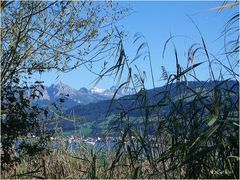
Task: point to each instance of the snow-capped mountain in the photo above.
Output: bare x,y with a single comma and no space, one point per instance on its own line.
96,90
123,91
82,96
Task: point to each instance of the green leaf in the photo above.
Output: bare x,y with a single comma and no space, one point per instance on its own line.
236,124
235,157
212,119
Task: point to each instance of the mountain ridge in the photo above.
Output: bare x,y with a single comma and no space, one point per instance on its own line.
97,113
83,96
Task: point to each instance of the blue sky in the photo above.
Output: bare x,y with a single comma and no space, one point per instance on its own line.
156,20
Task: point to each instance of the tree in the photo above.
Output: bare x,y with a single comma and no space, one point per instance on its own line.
40,36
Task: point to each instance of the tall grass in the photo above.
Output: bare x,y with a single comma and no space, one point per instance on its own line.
196,137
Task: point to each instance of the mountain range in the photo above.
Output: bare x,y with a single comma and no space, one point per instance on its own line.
83,96
95,108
